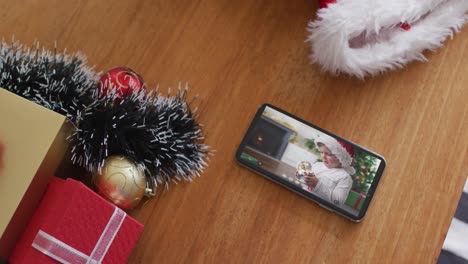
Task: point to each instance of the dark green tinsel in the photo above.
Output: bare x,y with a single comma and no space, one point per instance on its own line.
158,132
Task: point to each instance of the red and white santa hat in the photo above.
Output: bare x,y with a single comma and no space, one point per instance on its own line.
342,150
367,37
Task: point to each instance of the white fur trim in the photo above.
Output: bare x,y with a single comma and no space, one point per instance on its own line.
432,21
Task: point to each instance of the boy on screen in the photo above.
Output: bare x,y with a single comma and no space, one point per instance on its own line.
331,178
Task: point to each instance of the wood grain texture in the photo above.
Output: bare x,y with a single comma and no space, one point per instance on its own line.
237,55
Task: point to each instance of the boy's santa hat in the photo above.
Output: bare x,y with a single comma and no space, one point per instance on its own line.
342,150
367,37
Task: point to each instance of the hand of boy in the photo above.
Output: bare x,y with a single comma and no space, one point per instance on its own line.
310,179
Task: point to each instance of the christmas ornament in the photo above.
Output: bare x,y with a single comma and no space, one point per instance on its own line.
367,37
121,181
303,168
159,133
124,81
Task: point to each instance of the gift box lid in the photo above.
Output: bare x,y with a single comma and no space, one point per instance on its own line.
32,145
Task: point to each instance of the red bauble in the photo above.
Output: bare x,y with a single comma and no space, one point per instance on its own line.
122,79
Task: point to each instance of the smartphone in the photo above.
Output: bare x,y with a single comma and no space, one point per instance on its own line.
339,175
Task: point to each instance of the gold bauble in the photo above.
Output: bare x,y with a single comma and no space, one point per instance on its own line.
121,182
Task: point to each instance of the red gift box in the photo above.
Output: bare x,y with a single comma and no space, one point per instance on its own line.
75,225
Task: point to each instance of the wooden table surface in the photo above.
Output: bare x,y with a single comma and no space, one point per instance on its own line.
237,55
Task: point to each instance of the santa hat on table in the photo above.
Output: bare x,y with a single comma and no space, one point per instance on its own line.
367,37
342,150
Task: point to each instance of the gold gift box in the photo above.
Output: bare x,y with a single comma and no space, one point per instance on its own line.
32,146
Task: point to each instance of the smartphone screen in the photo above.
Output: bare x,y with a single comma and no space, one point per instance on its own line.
336,173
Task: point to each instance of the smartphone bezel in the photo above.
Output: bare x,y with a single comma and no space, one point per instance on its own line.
282,181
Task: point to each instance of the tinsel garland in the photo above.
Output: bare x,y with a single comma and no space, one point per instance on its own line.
160,133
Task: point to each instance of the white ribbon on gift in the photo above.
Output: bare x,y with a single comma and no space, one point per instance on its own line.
63,253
